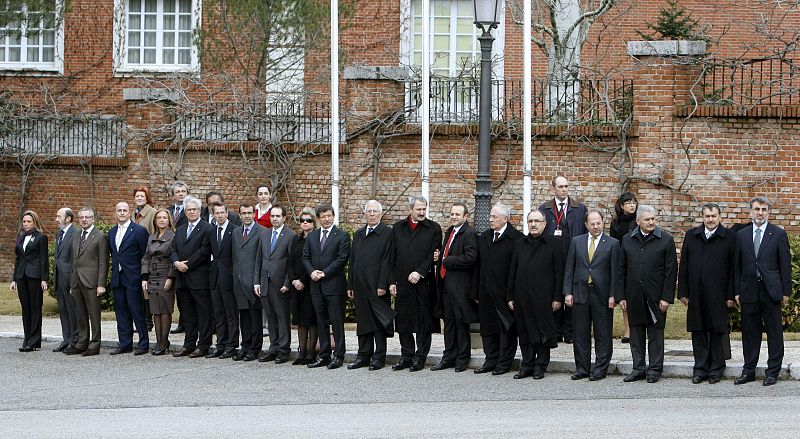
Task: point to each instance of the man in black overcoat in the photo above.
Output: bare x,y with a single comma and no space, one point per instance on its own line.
498,331
368,286
458,289
535,281
649,270
412,282
705,286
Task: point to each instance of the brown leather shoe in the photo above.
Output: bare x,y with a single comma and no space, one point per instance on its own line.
198,353
90,352
182,353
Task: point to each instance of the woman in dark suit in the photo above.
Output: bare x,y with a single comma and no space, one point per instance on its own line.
302,310
31,271
624,222
157,278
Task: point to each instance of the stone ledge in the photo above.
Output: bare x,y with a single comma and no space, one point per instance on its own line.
667,48
376,73
149,94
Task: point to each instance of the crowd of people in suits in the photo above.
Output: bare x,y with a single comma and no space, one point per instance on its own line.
232,273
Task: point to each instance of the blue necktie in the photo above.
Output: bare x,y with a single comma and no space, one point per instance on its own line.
274,240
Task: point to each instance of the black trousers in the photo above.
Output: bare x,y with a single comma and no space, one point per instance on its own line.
457,348
409,351
709,354
251,326
500,349
535,358
563,319
767,311
653,337
592,315
330,312
30,296
226,319
197,319
372,346
278,322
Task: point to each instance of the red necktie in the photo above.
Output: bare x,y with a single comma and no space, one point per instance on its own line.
442,270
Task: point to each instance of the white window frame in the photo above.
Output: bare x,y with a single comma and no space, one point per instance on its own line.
57,66
121,65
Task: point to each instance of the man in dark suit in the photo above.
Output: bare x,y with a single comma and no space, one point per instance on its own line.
128,242
62,262
220,279
458,289
591,280
88,282
368,286
763,282
565,220
412,282
179,191
649,269
498,331
273,284
191,251
208,216
246,241
325,255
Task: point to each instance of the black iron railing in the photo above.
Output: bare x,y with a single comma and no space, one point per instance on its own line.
583,102
275,122
749,83
63,135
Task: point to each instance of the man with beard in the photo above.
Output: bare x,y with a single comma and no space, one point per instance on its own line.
534,293
412,282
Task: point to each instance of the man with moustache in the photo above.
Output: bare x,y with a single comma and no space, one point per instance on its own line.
705,286
128,242
412,282
458,289
62,262
498,330
368,285
591,281
763,283
246,241
649,269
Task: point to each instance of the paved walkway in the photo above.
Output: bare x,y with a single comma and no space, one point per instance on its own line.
678,361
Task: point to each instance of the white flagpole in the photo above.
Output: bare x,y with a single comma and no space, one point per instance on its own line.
335,109
526,114
426,93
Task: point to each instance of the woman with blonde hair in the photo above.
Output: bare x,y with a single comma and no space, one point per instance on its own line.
157,278
302,310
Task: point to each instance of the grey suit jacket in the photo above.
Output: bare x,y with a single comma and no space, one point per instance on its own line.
90,266
604,268
62,259
273,267
246,266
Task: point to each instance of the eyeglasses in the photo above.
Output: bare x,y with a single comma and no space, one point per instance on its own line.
307,220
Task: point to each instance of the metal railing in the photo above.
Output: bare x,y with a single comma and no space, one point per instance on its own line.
275,122
582,102
63,135
749,83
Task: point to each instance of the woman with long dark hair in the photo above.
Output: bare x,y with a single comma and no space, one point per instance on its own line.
31,271
624,222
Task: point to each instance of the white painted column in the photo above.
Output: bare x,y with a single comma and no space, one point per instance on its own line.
426,98
335,109
526,114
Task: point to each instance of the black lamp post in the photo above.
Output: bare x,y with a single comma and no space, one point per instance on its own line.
485,20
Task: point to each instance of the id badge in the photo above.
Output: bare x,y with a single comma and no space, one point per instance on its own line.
557,232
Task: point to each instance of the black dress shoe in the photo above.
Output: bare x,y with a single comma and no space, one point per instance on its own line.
72,350
567,340
184,352
633,377
698,379
652,379
744,379
402,365
267,358
26,349
197,353
499,371
319,363
460,369
358,364
121,351
579,376
298,361
178,330
713,380
417,366
61,347
336,363
441,366
158,352
90,352
249,357
281,360
538,375
626,339
770,381
214,353
376,365
483,369
596,377
523,374
140,351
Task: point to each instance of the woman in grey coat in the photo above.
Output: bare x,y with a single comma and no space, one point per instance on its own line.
157,278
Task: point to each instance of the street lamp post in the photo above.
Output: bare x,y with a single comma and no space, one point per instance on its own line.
485,20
